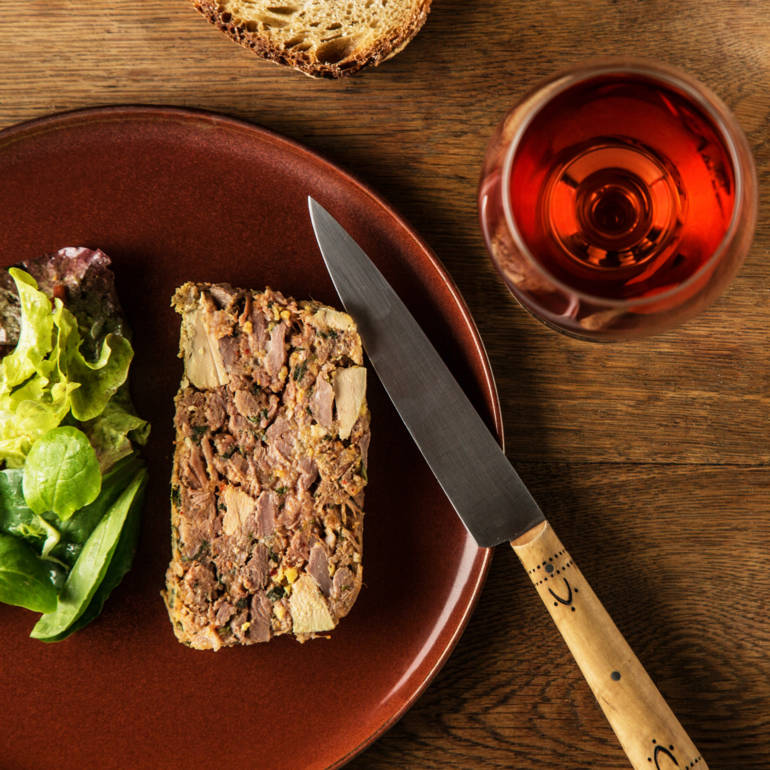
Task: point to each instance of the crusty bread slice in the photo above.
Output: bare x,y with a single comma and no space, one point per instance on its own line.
322,38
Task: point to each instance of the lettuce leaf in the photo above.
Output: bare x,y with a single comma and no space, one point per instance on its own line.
46,377
25,578
18,519
36,328
70,478
114,432
98,380
76,530
61,473
91,566
119,565
28,413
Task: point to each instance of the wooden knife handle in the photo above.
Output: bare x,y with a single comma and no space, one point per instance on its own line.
646,727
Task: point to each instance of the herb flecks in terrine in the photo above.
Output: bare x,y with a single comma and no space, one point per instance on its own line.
272,433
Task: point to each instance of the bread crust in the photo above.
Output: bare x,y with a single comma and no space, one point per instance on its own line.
267,48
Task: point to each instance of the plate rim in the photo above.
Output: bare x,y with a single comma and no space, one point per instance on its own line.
68,119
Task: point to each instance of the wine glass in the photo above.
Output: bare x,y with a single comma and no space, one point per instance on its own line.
618,199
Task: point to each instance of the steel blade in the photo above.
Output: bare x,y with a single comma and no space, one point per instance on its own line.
494,504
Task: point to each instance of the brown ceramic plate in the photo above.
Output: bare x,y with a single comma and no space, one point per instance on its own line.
174,195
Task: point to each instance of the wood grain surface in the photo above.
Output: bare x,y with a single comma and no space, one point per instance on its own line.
650,458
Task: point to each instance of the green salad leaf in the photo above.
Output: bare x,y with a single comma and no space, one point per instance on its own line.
30,402
76,530
98,380
46,377
114,432
25,580
17,518
71,482
119,565
91,567
29,412
36,327
61,473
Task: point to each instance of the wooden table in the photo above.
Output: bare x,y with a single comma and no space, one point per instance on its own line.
650,458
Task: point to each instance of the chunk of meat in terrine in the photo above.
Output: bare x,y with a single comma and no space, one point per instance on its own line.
272,433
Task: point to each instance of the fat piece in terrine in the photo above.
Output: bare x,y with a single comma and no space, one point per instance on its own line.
272,432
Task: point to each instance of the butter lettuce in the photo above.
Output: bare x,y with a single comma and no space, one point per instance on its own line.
46,377
99,380
30,403
114,432
36,327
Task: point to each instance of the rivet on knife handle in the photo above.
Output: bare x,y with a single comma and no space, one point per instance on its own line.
646,727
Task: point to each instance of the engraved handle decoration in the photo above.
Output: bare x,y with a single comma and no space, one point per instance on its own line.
646,727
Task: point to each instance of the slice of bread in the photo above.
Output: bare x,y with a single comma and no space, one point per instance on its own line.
322,38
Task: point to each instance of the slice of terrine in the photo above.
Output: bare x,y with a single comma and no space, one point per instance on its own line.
272,432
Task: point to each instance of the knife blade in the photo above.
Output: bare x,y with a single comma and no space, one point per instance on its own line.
487,493
493,502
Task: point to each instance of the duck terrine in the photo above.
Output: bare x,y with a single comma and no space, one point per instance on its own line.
272,432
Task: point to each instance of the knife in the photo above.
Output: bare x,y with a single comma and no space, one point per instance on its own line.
494,504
